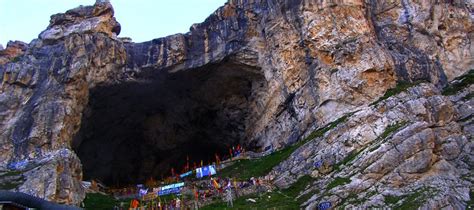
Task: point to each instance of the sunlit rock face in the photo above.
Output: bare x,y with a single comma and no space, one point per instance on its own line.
258,73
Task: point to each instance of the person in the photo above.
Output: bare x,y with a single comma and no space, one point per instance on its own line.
236,187
134,204
229,196
196,198
178,204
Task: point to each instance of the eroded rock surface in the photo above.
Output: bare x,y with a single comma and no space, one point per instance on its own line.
411,144
305,63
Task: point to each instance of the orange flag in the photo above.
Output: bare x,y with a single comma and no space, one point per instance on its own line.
216,185
218,160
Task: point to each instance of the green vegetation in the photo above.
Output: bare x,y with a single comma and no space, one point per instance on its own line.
349,158
4,174
391,129
468,96
353,199
13,184
100,201
280,199
11,179
245,169
350,199
16,59
391,199
462,82
400,87
372,147
337,182
387,132
410,201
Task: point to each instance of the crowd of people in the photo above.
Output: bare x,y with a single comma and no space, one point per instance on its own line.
196,192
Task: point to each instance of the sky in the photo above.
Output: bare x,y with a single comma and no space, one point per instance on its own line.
141,20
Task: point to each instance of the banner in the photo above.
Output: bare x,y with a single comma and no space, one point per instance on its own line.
142,192
186,174
205,171
170,189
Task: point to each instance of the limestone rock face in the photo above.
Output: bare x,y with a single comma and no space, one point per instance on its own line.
259,73
409,144
90,19
13,50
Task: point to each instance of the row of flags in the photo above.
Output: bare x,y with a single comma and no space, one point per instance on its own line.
234,151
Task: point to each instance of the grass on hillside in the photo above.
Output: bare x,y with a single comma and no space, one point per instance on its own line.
279,199
463,82
400,87
100,201
410,201
245,169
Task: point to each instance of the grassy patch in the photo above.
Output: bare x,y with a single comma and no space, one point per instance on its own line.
100,201
349,158
16,59
10,173
462,82
13,184
11,179
354,200
391,129
410,201
307,196
350,199
352,155
337,182
392,199
245,169
468,97
400,87
387,132
282,199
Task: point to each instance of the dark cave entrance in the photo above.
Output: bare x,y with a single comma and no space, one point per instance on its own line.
137,130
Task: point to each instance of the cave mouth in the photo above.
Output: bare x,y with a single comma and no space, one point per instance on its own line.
134,131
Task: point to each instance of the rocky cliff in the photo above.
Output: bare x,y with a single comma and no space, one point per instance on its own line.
260,73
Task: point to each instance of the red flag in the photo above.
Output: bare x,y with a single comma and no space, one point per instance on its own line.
218,160
196,194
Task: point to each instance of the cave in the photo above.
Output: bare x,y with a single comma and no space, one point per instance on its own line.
136,130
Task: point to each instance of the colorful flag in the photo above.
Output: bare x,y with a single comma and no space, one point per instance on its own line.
218,160
216,185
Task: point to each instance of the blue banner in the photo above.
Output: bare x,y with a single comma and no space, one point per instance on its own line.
186,174
170,189
205,171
